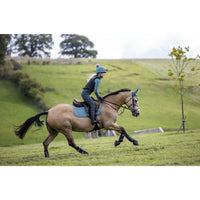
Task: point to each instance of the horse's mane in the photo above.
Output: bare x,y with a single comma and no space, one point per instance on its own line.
117,92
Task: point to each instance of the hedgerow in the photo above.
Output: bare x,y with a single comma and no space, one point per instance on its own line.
6,69
30,88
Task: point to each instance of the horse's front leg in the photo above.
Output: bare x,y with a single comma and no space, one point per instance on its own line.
118,142
123,132
135,142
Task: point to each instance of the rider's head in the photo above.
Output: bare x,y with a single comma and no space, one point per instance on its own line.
101,70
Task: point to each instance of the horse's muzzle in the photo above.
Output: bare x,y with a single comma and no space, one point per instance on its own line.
135,113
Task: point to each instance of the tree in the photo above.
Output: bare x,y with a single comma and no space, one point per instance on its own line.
33,45
77,45
9,43
181,67
3,48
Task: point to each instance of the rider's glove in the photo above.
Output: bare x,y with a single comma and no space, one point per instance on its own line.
101,99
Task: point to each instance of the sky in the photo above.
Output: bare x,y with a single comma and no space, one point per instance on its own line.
133,46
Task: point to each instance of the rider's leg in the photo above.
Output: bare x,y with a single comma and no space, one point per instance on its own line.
91,103
92,114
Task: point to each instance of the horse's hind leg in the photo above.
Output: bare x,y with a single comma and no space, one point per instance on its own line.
52,134
70,138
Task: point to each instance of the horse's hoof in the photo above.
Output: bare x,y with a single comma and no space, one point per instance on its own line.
80,150
135,142
84,152
116,143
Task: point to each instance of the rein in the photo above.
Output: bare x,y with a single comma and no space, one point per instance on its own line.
124,107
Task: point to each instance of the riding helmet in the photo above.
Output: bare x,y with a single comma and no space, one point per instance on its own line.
100,69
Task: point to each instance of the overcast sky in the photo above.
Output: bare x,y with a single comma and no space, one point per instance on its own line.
136,45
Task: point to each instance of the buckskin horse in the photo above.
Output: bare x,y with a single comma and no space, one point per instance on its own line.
61,118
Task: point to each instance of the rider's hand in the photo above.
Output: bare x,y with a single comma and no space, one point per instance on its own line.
100,99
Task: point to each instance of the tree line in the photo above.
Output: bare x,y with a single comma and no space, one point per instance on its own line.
40,45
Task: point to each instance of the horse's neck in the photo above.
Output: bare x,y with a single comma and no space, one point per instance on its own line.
118,99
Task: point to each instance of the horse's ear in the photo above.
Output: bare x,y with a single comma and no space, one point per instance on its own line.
134,93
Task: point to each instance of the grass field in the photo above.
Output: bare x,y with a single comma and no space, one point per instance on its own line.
159,106
163,149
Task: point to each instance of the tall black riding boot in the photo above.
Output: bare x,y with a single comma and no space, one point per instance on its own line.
92,116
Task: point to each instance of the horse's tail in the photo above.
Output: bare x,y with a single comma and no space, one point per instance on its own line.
21,130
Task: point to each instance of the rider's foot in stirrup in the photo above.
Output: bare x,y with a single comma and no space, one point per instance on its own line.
95,122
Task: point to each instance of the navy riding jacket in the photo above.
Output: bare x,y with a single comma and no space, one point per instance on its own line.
93,85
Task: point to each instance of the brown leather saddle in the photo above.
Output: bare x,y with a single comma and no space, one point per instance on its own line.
78,103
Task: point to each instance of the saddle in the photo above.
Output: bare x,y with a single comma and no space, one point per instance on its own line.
78,103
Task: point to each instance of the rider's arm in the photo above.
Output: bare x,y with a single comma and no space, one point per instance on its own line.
97,83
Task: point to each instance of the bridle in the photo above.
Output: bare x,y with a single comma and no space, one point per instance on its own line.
121,106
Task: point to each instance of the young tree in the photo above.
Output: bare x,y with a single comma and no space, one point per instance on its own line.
77,45
181,67
33,45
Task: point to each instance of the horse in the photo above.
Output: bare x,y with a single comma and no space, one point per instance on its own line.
61,119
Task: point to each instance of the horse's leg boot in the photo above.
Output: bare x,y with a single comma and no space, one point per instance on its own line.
118,142
46,153
80,150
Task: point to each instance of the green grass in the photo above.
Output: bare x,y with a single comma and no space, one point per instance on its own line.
13,109
156,149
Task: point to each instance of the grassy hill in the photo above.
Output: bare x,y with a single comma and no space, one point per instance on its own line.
160,67
14,109
159,103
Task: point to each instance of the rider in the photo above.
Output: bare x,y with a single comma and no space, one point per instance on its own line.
93,85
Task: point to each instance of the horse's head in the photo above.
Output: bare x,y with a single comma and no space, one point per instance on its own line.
132,103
